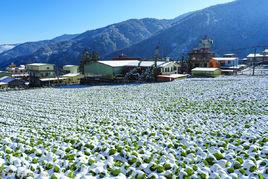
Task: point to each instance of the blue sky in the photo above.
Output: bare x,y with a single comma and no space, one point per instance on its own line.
32,20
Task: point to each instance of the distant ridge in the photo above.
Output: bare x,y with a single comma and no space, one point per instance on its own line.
242,23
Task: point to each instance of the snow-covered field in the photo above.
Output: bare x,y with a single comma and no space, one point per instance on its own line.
194,128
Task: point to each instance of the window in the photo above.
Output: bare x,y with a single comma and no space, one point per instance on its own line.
47,68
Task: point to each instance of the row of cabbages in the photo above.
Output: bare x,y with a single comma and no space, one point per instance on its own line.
195,128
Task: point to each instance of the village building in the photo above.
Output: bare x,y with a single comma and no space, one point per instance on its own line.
70,69
41,70
119,68
206,72
42,74
258,58
9,82
18,72
4,73
225,62
200,57
108,69
71,74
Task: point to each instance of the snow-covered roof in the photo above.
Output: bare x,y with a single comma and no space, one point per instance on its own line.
119,63
20,75
3,83
39,64
225,58
50,79
70,66
133,63
252,55
204,69
71,75
173,76
6,79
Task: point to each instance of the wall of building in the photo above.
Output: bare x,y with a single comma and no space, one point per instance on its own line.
171,68
72,80
206,73
40,67
42,74
71,69
98,69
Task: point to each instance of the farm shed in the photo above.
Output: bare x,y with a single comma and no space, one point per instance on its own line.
206,72
107,69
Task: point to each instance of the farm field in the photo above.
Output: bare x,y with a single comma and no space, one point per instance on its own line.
193,128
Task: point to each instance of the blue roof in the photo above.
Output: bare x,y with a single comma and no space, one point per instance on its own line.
6,79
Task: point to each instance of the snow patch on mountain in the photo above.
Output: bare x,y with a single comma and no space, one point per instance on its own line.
6,47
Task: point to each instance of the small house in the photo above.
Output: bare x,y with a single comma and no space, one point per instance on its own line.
41,74
206,72
41,70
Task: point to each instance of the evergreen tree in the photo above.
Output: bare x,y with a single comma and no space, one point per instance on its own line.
84,60
95,57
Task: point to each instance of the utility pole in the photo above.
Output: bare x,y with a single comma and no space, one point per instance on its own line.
156,58
263,58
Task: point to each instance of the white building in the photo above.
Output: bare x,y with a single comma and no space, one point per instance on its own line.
258,57
41,70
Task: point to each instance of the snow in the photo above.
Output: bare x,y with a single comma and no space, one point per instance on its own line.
204,69
6,47
178,127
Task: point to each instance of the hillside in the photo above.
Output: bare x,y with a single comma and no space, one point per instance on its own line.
6,47
235,25
104,40
232,26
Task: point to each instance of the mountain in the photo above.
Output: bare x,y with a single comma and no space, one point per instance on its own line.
232,26
28,48
62,50
6,47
